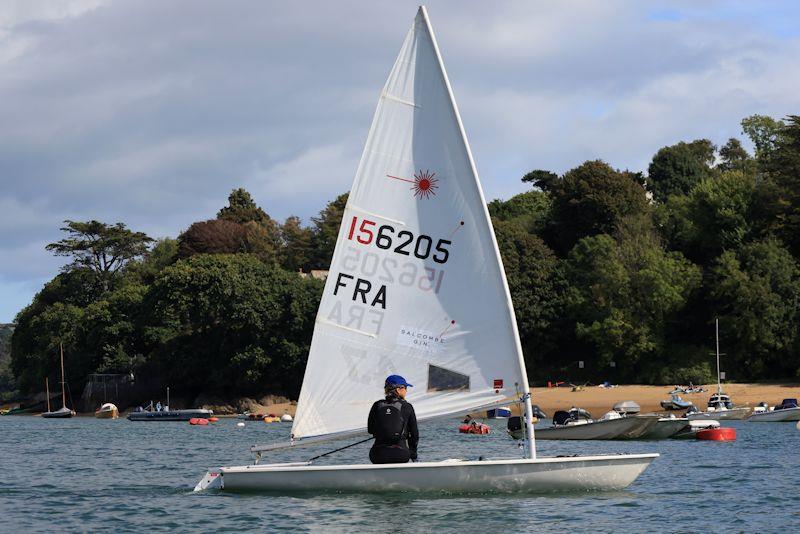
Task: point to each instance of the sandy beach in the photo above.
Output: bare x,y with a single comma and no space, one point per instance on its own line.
599,400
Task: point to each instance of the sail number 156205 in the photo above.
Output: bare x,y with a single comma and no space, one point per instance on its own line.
403,242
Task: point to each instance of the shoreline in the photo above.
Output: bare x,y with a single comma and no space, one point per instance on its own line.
595,399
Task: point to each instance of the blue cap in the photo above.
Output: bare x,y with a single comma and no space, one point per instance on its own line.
397,380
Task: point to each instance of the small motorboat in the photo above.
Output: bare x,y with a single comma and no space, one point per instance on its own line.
719,407
787,410
502,412
627,407
474,428
577,424
675,402
667,427
107,411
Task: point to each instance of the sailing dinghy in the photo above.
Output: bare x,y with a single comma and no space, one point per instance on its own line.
416,287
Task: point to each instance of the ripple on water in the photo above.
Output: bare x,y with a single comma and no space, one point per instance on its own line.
123,476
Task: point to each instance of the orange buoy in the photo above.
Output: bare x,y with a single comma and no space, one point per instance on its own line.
717,434
474,428
198,421
213,419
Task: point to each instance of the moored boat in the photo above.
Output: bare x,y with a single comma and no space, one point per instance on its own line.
787,410
575,425
169,415
720,406
666,427
63,412
107,411
675,402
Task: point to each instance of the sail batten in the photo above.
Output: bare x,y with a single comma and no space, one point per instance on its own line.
430,292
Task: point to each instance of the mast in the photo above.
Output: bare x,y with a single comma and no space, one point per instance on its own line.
63,381
47,388
530,441
719,381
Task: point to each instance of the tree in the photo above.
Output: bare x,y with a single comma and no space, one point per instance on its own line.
326,231
215,236
531,210
621,297
676,169
589,200
535,285
719,211
249,322
782,170
101,248
733,156
703,150
763,132
544,180
756,292
242,209
297,245
262,235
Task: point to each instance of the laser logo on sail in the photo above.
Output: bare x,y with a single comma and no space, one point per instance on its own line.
424,183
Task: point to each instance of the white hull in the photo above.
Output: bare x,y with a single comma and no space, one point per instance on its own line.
787,414
718,415
666,428
545,475
624,428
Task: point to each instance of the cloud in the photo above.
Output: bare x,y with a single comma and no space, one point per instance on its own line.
151,113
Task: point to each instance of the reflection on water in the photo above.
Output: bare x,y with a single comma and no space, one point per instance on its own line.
87,474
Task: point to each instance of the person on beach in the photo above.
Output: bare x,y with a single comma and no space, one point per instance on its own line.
393,424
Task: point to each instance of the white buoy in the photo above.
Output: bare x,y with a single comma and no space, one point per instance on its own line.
240,424
286,418
798,425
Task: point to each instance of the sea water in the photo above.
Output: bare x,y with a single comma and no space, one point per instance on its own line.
85,474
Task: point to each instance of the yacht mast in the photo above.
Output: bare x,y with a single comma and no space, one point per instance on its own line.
47,389
719,381
63,391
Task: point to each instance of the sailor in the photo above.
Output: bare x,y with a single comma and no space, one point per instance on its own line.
393,424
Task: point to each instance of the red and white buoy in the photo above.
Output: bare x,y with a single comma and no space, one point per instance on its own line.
717,434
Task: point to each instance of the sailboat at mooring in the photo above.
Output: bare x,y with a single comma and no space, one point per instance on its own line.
417,287
63,412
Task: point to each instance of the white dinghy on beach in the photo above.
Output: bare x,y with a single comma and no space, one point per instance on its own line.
417,287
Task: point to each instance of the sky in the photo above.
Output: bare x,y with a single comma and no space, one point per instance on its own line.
150,113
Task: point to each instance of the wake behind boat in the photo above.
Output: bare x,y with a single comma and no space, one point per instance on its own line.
416,286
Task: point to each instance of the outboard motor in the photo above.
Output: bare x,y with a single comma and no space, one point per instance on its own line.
514,423
561,417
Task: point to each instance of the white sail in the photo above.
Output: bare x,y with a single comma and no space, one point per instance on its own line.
416,285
